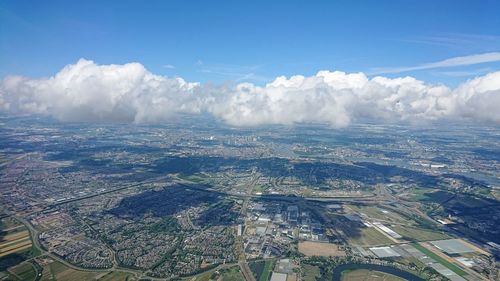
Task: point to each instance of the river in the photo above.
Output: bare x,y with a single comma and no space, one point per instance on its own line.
337,272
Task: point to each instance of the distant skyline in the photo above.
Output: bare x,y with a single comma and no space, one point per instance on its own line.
254,41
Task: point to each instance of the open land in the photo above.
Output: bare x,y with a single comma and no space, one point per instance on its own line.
310,248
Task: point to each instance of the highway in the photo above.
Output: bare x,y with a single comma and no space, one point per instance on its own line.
245,269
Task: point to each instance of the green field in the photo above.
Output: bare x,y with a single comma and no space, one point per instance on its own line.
429,195
16,245
369,237
257,267
439,259
225,274
368,275
268,267
418,234
60,272
258,188
205,276
310,272
116,276
232,273
261,269
24,271
411,260
197,178
35,252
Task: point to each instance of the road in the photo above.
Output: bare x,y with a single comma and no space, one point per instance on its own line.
109,191
242,261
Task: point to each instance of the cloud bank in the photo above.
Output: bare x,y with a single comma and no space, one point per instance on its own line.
86,91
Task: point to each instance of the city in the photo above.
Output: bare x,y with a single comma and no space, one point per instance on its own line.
148,202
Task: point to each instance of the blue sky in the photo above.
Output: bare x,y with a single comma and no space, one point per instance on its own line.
253,41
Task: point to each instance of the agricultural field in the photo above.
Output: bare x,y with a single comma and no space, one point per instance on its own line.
24,271
59,272
15,247
310,248
368,275
14,237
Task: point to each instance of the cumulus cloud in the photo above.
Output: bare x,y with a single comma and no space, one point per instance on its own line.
86,91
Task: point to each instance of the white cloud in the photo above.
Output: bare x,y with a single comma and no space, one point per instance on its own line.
86,91
169,66
464,73
451,62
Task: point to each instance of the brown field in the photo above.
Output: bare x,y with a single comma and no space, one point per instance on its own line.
4,245
15,242
16,236
369,237
15,250
310,248
53,220
477,249
15,246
